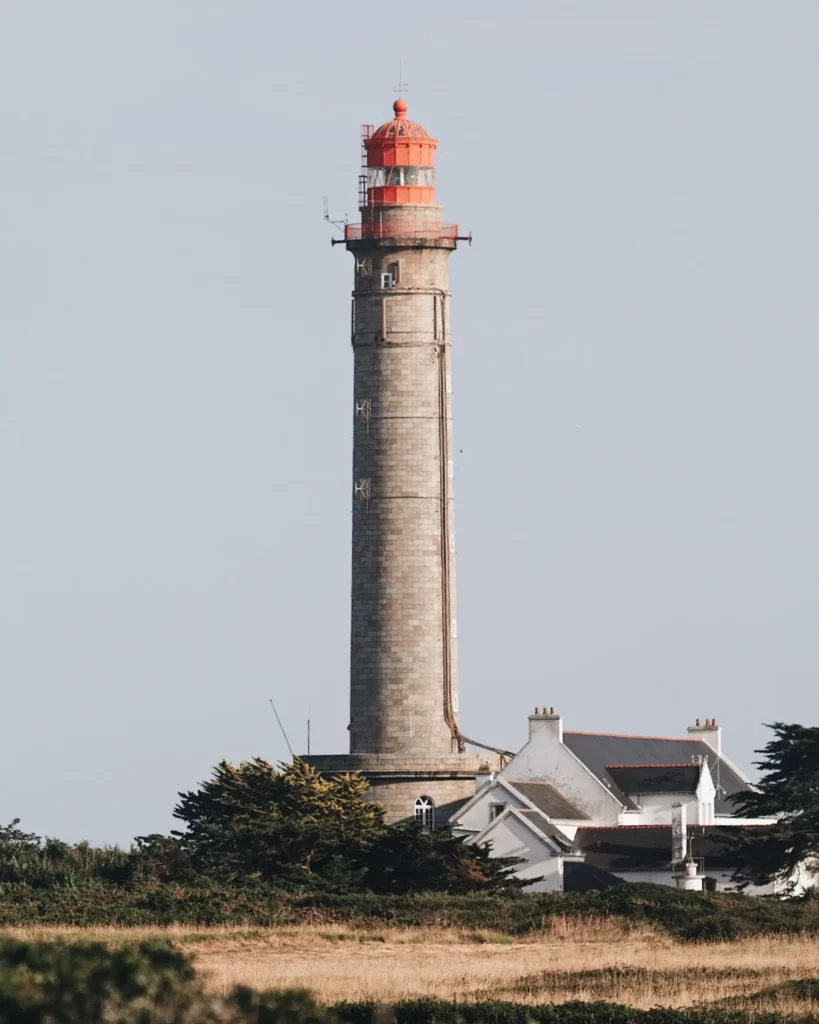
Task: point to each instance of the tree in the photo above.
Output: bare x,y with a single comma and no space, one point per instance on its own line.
25,857
291,824
19,853
408,859
266,821
788,789
161,859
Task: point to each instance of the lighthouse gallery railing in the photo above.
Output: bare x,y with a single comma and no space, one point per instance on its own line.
355,232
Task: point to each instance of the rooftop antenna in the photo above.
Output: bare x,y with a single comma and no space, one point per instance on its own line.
286,740
339,224
309,715
402,86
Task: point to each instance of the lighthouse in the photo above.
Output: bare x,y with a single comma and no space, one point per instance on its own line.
404,713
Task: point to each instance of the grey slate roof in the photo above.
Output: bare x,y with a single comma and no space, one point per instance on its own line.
581,877
539,820
596,750
656,778
648,847
547,799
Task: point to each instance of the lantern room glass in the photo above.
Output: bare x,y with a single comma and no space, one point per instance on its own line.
378,177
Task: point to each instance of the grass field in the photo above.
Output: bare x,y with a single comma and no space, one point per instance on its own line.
571,959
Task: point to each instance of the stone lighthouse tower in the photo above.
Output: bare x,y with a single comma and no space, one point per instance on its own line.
404,731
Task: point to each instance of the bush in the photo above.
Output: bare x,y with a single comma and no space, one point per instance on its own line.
86,981
686,916
434,1011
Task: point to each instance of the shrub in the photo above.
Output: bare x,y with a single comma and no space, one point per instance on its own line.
686,916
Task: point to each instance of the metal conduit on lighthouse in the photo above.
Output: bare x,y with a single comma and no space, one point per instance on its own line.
404,731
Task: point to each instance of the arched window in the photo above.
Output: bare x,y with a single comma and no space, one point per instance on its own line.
425,812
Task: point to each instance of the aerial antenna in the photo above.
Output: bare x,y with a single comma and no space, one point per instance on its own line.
402,86
309,715
286,740
339,224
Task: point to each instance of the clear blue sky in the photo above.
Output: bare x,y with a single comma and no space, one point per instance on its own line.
635,374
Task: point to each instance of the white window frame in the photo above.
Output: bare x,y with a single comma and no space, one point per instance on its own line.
425,813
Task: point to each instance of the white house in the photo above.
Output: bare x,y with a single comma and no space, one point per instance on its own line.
588,809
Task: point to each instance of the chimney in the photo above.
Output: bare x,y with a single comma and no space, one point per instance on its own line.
710,733
546,722
483,776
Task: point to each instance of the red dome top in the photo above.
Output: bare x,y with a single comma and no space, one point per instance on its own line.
400,127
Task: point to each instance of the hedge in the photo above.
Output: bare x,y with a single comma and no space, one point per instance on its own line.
686,916
434,1011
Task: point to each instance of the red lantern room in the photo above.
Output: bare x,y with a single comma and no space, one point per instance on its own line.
400,163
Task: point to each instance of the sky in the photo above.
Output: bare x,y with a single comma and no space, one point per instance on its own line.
635,373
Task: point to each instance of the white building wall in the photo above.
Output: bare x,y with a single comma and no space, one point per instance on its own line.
655,809
478,816
545,758
511,838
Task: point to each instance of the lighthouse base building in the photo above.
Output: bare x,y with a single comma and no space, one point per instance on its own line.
428,789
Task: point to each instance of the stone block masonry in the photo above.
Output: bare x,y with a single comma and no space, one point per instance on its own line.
397,781
404,733
403,643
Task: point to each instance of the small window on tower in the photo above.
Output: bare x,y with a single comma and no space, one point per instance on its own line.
392,270
387,281
425,813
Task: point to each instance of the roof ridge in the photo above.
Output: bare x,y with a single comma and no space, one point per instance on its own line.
621,828
632,736
682,764
533,782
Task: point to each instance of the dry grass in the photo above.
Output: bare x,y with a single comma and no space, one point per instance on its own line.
571,959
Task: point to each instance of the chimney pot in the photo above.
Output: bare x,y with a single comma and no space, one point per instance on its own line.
698,722
544,722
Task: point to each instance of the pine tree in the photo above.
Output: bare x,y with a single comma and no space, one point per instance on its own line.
410,859
266,821
788,789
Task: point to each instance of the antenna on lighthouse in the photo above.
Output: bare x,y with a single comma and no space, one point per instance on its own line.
402,86
286,740
339,224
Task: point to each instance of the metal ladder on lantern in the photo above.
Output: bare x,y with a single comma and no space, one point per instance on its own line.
366,135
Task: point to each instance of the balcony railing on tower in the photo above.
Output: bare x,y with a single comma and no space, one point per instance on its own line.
420,229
